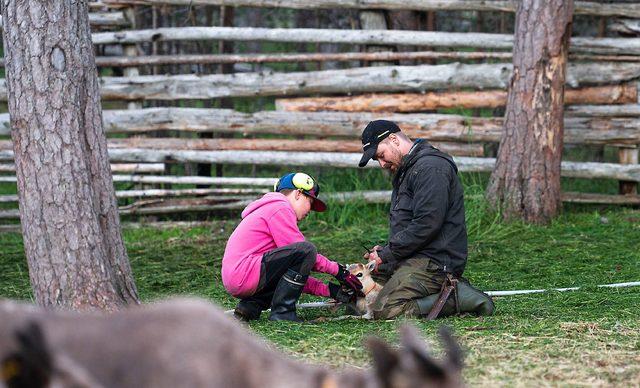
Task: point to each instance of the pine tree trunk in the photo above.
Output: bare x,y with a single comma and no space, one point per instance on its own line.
525,183
68,210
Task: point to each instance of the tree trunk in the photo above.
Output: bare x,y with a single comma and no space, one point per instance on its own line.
374,20
526,180
72,239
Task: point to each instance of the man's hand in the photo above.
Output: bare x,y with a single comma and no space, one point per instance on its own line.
341,294
348,280
373,256
373,253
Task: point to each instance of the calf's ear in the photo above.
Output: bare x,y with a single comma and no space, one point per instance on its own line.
385,359
417,348
371,266
455,355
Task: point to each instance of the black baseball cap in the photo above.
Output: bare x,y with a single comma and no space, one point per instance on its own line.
375,132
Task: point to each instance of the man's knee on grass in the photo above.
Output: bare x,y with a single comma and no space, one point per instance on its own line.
399,299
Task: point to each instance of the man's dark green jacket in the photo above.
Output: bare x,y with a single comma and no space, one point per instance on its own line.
426,218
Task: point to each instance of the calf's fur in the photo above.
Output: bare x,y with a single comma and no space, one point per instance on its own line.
371,289
187,343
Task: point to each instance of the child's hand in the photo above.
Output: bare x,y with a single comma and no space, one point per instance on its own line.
341,294
348,280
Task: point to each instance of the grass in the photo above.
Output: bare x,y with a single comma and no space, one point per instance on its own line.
588,337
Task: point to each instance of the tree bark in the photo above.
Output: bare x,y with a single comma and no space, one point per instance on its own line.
377,21
104,20
71,230
526,181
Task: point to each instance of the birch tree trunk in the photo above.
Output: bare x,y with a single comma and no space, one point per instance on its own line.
525,183
68,208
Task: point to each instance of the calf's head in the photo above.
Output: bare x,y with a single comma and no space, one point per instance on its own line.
412,366
363,273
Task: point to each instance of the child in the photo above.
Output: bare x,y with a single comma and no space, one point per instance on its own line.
267,260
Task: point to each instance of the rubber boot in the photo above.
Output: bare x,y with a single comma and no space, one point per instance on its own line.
250,308
470,300
287,293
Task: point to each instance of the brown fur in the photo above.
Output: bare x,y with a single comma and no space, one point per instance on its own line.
189,343
369,286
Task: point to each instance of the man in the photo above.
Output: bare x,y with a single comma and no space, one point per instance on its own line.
427,248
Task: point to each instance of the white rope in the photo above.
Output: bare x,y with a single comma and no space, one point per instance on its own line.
312,305
521,292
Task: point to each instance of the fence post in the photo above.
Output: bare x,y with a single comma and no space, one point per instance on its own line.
131,50
628,155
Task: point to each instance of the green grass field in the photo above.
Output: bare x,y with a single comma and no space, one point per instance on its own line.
587,337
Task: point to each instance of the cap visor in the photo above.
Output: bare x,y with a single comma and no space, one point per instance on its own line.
366,156
318,205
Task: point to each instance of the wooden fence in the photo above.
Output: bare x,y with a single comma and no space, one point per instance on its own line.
320,113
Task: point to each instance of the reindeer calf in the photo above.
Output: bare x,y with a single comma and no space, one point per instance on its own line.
370,288
186,343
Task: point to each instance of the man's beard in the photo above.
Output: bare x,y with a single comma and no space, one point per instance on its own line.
397,155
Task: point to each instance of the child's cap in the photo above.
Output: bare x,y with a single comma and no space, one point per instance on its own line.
304,183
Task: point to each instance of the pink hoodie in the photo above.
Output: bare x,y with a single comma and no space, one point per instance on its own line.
268,223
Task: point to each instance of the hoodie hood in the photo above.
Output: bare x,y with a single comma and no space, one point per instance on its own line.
423,147
266,199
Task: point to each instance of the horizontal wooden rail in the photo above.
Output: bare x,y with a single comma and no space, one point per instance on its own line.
589,129
132,168
164,193
343,160
213,203
181,180
309,57
358,80
625,26
416,102
580,7
309,145
622,46
150,60
630,110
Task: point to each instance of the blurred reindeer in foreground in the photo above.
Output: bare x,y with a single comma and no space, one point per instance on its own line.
188,343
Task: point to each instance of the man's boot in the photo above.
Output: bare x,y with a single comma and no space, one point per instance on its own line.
470,300
287,293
